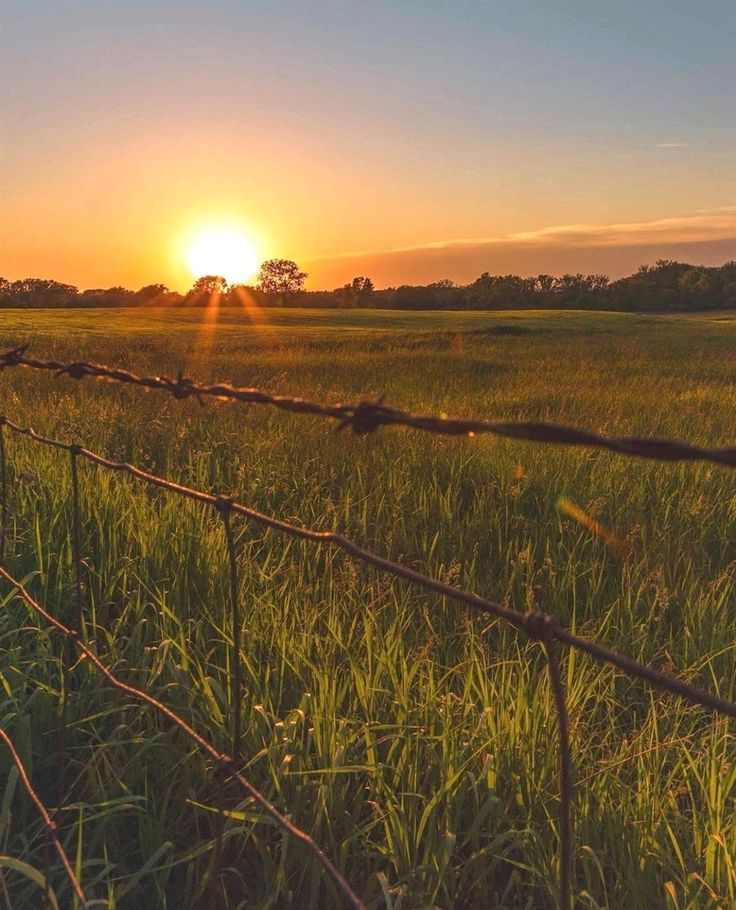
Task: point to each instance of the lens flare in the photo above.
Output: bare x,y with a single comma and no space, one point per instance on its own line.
568,507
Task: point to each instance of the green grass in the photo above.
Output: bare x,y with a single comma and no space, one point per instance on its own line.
416,744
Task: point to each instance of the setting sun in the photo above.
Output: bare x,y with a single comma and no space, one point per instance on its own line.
223,252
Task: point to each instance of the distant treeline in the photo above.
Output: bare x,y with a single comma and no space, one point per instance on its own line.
664,286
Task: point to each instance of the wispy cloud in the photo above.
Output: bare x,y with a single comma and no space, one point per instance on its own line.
672,145
712,224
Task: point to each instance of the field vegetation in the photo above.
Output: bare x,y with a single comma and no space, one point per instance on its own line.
416,743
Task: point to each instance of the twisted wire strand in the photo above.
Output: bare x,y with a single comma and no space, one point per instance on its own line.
227,762
368,416
364,418
537,625
49,823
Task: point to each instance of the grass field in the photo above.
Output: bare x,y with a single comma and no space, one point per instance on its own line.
415,743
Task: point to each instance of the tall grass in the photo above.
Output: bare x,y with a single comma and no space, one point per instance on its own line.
415,743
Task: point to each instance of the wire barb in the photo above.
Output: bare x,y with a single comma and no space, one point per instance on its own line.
367,417
363,418
540,626
223,759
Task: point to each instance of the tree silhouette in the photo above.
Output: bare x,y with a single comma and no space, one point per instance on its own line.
357,292
281,277
152,293
208,285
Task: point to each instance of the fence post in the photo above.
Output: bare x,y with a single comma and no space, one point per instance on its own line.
74,451
223,504
3,491
543,627
563,727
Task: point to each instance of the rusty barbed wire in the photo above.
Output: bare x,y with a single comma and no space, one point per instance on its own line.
535,624
49,823
225,761
369,416
363,418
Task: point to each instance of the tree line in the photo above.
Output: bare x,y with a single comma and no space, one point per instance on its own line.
665,286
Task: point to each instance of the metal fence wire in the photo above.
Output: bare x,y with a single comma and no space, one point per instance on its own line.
362,418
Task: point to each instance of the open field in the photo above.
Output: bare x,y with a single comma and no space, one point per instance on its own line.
416,744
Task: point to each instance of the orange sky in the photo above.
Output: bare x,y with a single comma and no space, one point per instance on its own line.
410,142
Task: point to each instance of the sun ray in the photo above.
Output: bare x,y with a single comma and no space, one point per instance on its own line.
256,314
208,325
225,253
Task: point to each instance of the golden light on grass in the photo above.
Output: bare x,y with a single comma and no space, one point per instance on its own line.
223,252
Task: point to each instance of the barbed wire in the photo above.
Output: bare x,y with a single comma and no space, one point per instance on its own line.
48,822
369,416
363,418
227,762
536,624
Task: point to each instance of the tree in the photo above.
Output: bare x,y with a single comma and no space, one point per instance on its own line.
357,292
445,295
153,293
545,283
41,292
363,287
107,297
597,282
281,277
205,287
499,292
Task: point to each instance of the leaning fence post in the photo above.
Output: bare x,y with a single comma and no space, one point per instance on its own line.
542,627
3,491
223,504
563,726
74,451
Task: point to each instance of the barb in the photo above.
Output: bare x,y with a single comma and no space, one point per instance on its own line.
530,622
537,625
227,762
366,417
49,823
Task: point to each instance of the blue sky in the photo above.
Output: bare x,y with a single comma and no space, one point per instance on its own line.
335,128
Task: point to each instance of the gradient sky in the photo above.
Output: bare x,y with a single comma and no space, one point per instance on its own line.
409,140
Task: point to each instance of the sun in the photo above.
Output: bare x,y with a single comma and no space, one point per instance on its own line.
223,252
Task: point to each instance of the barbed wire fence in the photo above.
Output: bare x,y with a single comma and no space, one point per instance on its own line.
362,418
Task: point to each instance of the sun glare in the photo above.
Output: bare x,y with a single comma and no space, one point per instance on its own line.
225,253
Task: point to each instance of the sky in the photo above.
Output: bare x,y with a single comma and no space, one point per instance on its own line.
407,140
